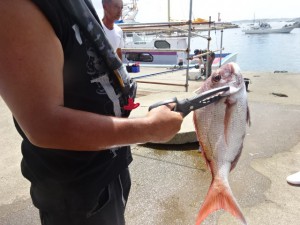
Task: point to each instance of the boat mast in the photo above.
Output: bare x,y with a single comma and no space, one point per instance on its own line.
169,14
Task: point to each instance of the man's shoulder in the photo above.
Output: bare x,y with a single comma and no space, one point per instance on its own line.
117,28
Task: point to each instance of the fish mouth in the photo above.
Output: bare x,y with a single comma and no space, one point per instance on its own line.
232,90
234,87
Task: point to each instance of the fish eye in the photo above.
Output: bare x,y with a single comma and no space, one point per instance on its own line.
217,78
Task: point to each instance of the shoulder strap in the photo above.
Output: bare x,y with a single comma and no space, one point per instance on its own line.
81,11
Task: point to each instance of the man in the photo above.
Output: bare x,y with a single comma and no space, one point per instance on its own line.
112,12
203,60
70,111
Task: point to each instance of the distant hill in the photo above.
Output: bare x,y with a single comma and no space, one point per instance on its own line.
269,20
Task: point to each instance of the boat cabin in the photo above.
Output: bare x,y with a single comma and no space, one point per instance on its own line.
155,50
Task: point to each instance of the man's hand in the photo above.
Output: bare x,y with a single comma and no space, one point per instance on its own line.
165,123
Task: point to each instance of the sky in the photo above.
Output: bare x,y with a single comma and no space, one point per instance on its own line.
230,10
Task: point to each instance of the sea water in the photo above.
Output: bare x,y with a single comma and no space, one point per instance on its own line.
257,52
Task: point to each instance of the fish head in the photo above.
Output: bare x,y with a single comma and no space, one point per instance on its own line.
227,75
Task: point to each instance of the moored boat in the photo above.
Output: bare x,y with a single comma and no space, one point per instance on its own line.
165,52
265,28
155,51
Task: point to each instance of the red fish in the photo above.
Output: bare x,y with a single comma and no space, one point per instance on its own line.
221,128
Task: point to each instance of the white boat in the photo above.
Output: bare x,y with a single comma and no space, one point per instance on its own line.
155,51
168,48
265,28
165,52
129,12
296,24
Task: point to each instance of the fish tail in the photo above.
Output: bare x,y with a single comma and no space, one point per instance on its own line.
219,197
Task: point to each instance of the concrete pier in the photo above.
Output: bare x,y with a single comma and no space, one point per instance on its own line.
170,181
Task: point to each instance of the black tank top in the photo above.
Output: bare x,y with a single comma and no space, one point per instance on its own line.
88,86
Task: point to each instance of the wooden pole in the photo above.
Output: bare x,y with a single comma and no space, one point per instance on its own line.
220,62
206,53
189,46
169,12
208,45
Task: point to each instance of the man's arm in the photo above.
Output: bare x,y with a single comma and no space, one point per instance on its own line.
31,84
119,53
119,49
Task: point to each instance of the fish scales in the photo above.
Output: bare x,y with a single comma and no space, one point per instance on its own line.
221,129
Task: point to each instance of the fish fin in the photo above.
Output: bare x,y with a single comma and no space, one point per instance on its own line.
248,116
218,197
